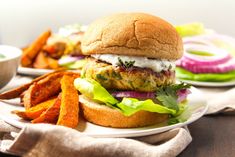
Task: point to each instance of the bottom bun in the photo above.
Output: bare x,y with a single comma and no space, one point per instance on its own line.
107,116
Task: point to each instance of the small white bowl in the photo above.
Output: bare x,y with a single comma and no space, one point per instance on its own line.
8,64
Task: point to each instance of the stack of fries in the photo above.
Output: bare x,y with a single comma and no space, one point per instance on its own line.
51,98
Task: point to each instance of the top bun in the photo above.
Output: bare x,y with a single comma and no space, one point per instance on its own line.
133,34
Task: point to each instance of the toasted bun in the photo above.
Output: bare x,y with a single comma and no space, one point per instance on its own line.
106,116
136,34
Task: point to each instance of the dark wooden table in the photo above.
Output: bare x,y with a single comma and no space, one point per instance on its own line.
213,136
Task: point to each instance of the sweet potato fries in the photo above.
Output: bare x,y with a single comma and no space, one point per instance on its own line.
51,98
69,103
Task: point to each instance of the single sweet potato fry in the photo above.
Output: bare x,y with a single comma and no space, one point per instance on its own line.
35,111
31,52
51,114
44,61
16,92
53,63
69,103
41,61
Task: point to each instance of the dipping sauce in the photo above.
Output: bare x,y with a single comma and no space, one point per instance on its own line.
2,56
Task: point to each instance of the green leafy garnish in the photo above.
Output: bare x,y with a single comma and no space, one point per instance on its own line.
126,64
167,98
167,95
177,87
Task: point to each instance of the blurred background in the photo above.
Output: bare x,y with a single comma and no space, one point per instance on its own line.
21,21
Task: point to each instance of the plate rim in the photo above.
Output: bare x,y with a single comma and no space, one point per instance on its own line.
33,71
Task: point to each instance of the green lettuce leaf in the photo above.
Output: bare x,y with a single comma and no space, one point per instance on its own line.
211,77
190,29
130,106
93,90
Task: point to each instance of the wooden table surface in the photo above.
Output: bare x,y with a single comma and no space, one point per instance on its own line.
213,136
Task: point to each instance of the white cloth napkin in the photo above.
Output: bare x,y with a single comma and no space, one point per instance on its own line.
220,100
50,140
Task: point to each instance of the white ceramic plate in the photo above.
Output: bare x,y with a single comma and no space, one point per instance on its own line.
33,71
210,84
196,98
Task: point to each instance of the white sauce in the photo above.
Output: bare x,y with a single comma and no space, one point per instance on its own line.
143,62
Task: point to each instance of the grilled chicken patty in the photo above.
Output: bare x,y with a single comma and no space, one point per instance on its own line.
121,78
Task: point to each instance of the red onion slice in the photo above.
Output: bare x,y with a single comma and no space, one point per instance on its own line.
201,68
219,55
220,60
